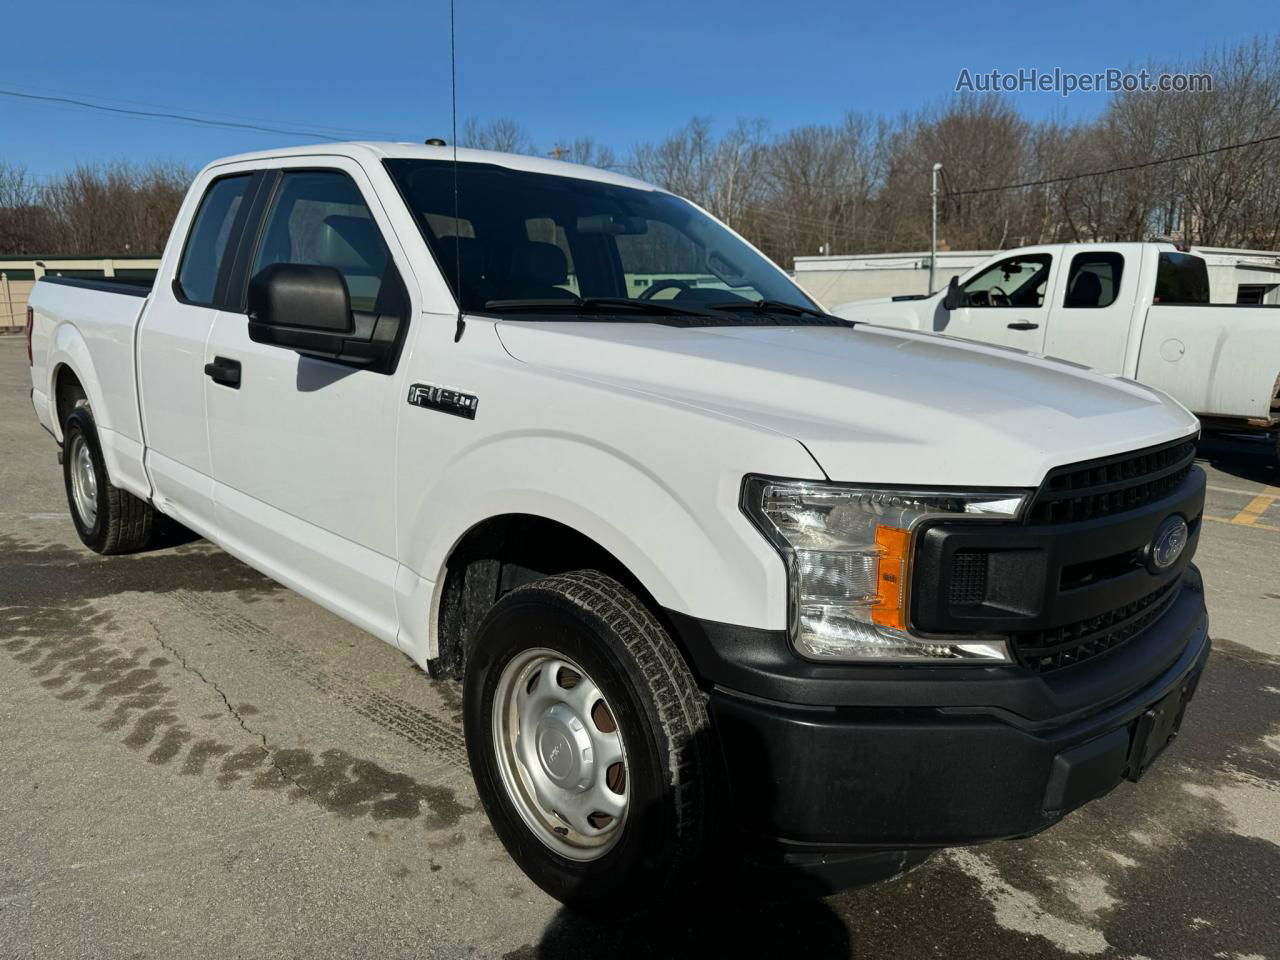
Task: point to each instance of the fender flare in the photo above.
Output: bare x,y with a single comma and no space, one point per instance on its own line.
68,349
694,554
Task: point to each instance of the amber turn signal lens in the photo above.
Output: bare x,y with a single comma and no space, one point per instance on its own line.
889,610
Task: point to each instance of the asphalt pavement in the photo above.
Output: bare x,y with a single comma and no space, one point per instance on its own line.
196,762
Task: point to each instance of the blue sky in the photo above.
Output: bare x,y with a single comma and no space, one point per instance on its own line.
622,73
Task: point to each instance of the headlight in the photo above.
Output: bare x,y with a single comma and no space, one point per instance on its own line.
848,553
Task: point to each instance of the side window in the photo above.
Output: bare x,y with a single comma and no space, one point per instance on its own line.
207,241
1094,279
1182,278
1014,282
319,218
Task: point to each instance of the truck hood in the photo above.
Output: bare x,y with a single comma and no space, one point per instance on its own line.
903,314
872,405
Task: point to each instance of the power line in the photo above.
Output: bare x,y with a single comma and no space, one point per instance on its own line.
1126,168
160,115
349,132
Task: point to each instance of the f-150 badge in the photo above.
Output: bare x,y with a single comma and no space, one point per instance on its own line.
445,400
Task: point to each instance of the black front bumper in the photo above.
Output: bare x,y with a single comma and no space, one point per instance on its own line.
917,758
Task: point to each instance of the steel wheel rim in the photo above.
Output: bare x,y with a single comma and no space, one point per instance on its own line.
563,768
84,481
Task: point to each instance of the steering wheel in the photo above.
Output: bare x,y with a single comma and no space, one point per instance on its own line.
666,284
991,297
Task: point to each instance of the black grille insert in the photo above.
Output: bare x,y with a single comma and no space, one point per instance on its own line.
1098,488
1046,650
968,586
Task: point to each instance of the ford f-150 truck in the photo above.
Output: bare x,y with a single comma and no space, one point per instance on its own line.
1140,310
726,579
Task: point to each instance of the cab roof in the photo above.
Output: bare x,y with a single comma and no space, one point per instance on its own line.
382,150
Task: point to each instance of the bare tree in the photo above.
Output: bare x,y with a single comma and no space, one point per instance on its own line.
503,134
587,151
23,220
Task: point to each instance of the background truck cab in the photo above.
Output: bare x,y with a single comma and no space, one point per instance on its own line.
1140,310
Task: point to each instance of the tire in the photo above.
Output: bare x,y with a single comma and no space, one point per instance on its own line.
663,841
108,519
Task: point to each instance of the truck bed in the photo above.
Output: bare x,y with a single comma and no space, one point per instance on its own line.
129,286
1219,360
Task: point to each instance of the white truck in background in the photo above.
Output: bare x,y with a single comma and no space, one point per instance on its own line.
1139,310
725,578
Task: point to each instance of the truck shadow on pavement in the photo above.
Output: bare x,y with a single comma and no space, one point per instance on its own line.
808,929
1245,458
84,657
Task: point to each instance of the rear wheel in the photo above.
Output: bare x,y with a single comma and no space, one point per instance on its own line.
108,519
588,741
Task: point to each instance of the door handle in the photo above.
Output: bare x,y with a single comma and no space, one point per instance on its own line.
224,371
1024,325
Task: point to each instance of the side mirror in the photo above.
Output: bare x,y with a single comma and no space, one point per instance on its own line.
301,298
308,309
952,299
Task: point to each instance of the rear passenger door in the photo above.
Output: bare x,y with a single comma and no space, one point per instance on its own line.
171,349
303,449
1093,310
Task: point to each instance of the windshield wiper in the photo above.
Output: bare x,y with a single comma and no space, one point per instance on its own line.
779,306
660,308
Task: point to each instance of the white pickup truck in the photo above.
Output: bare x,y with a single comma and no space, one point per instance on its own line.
729,581
1140,310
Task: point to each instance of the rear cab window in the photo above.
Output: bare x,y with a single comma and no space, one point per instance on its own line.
1181,278
206,247
1094,279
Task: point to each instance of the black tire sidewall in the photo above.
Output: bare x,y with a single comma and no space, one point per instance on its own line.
80,423
629,877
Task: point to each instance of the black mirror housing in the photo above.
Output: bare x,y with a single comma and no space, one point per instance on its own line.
952,299
302,297
307,308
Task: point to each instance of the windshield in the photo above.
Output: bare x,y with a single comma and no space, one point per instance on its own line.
524,237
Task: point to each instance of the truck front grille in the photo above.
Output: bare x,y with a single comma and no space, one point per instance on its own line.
1109,485
1065,646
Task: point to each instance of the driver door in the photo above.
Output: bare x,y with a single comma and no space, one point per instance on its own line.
303,449
1005,303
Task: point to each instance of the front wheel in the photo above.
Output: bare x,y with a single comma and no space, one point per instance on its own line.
588,741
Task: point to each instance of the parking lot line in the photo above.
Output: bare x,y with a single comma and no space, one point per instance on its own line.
1234,521
1256,507
1237,490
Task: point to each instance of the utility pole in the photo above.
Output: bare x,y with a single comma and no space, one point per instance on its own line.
933,235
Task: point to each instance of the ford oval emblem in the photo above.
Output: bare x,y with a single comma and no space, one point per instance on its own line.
1168,543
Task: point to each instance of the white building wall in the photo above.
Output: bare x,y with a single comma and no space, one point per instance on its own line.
836,280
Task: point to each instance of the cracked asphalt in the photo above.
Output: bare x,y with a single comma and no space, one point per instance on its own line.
195,761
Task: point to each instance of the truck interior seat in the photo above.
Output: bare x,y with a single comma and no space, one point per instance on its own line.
1086,291
536,270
